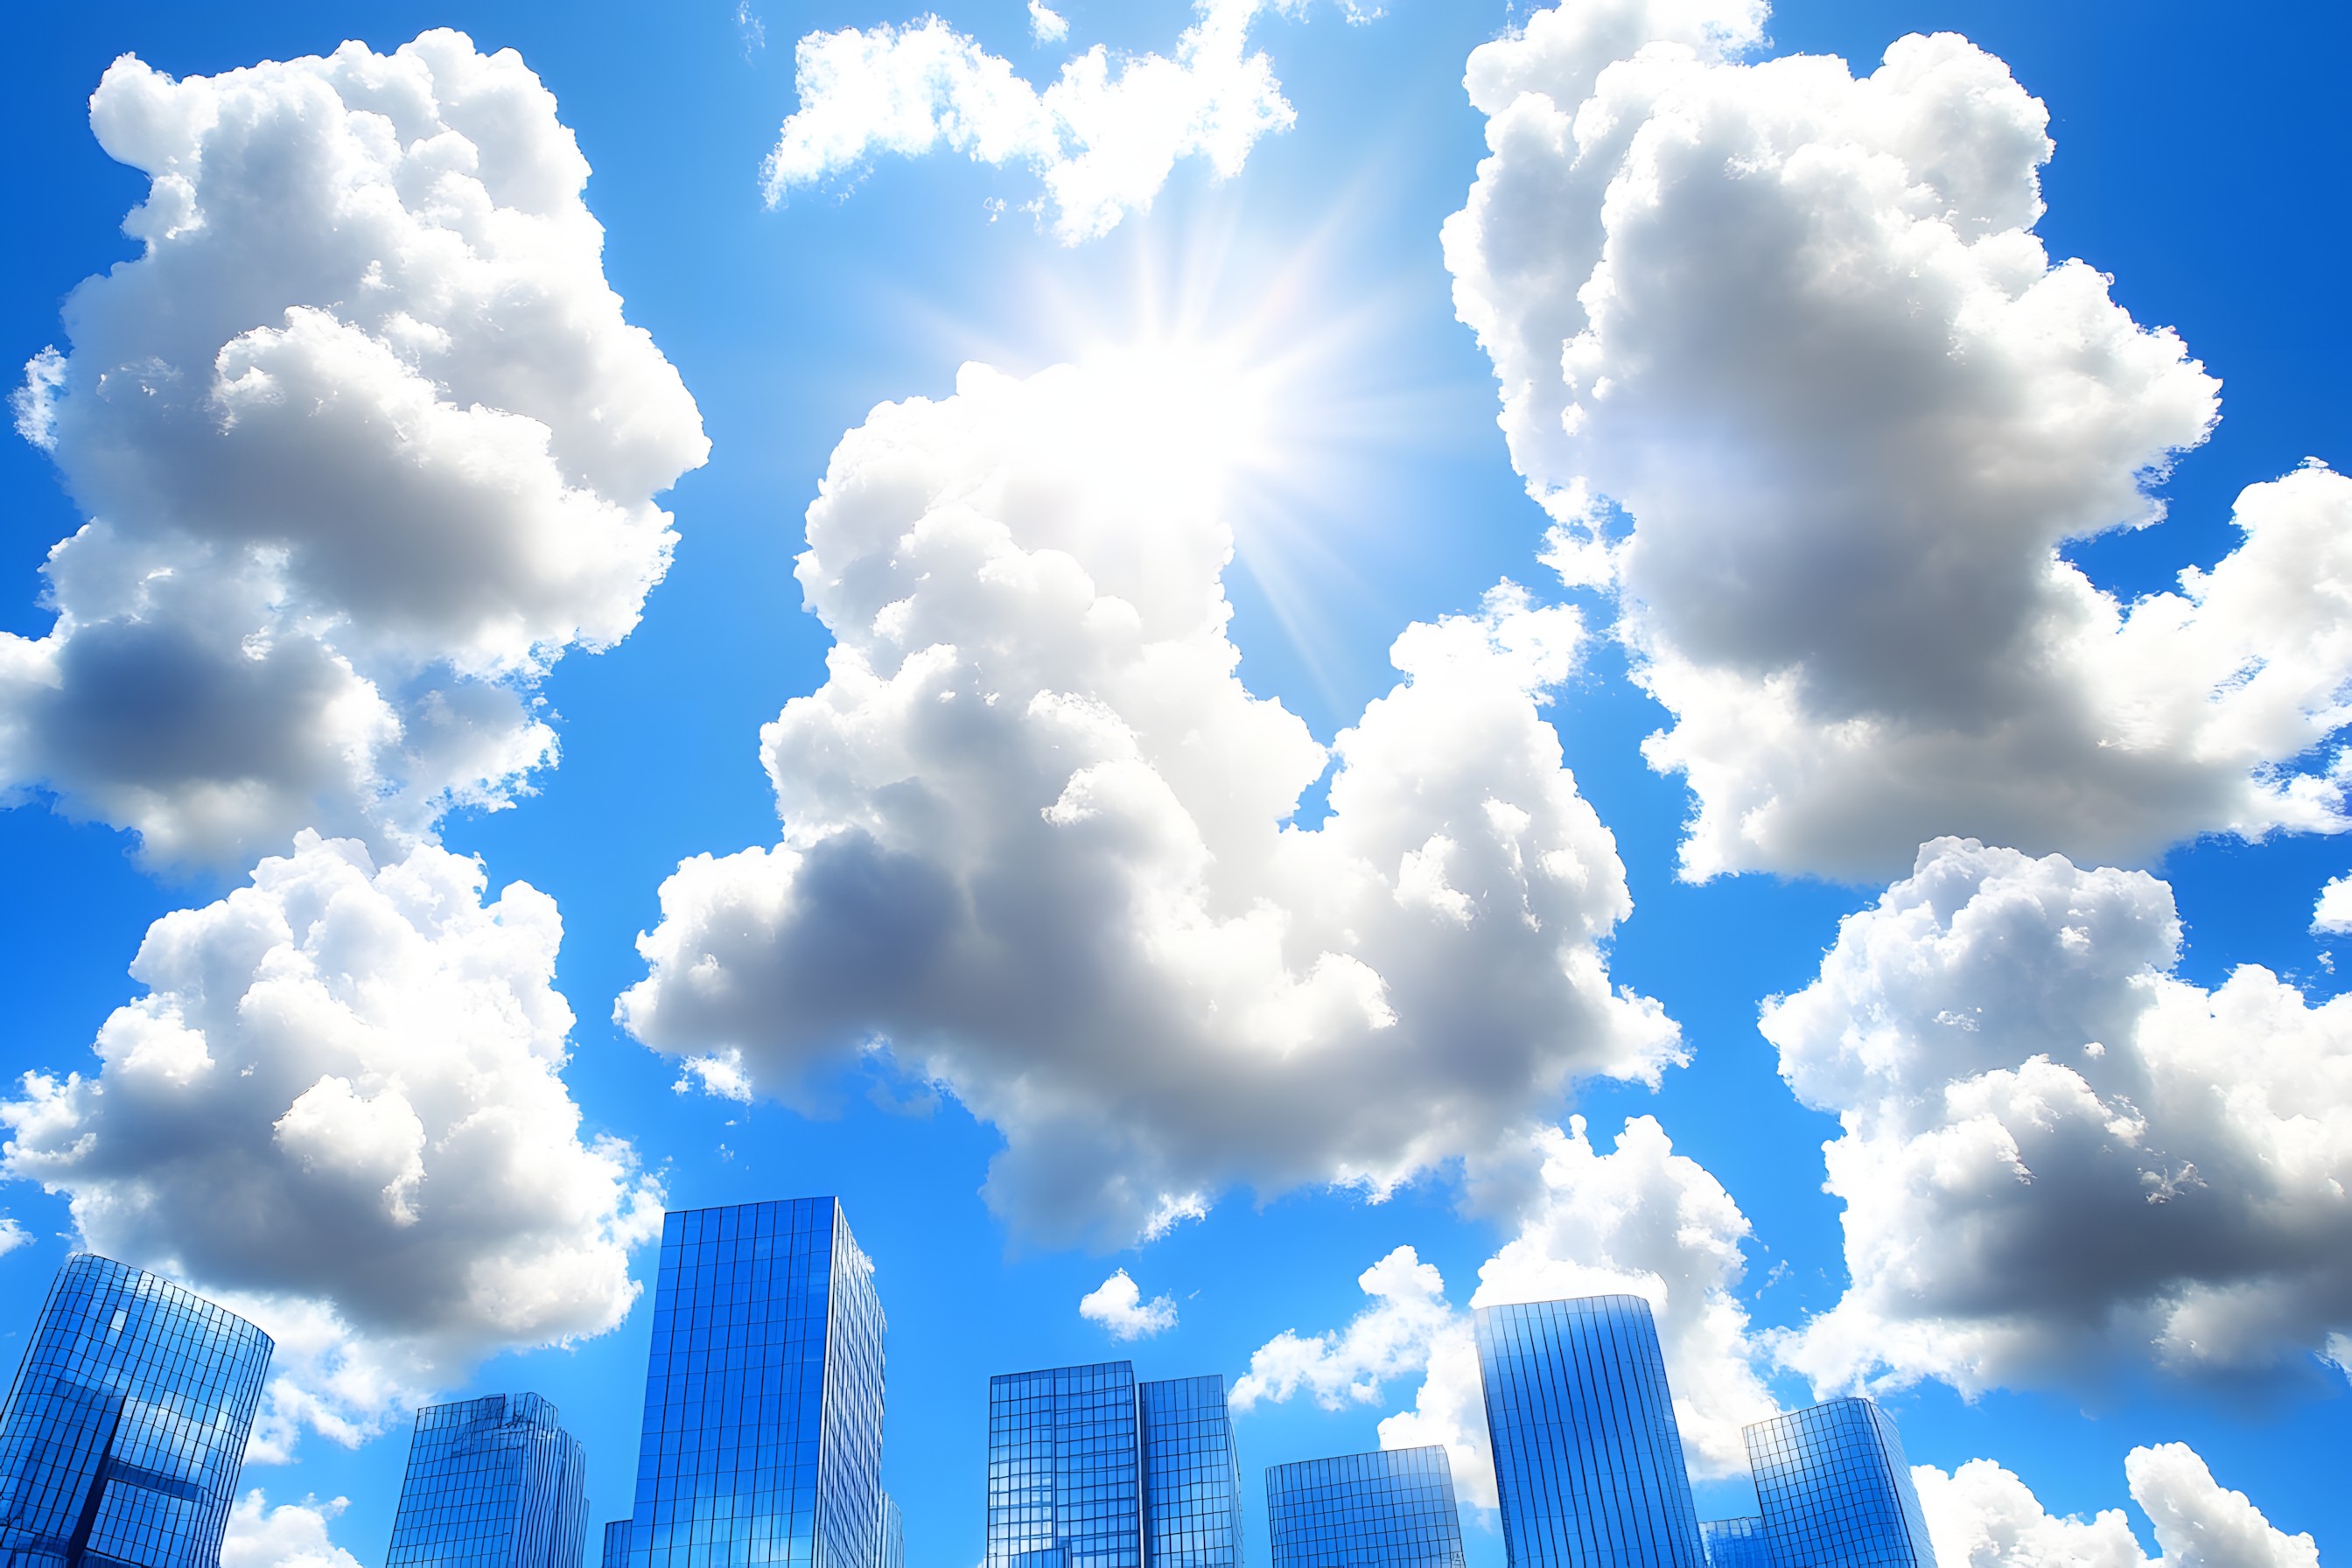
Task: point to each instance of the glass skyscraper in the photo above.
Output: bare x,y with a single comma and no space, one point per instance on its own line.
1588,1459
1393,1508
1737,1543
1089,1469
762,1438
1835,1489
894,1534
122,1436
494,1482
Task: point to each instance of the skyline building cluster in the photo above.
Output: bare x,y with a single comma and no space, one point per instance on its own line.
762,1444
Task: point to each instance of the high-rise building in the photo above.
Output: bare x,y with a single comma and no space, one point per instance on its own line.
762,1437
1735,1542
894,1534
1089,1469
1835,1489
1588,1459
1393,1508
122,1436
495,1482
617,1544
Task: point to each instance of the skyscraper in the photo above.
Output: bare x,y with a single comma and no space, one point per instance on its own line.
1089,1469
122,1436
1588,1459
492,1483
1735,1542
1393,1508
1835,1489
762,1438
894,1535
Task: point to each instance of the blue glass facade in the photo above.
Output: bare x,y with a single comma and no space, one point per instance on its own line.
1735,1542
122,1436
894,1534
494,1482
1393,1508
1588,1459
617,1544
762,1438
1835,1489
1089,1469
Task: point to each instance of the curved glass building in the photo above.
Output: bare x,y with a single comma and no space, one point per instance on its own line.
1390,1508
1735,1542
122,1436
1835,1489
494,1482
1588,1459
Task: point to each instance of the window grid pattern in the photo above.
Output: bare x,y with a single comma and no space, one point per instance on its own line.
1064,1482
1737,1543
1391,1508
125,1430
1192,1475
617,1544
495,1482
1835,1489
1587,1458
894,1534
762,1436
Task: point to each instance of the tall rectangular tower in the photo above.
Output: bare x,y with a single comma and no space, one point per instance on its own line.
1089,1469
762,1437
1393,1508
1835,1489
495,1482
122,1436
1587,1458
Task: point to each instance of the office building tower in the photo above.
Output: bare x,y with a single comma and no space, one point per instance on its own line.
1588,1459
495,1482
1835,1489
1393,1508
1089,1469
894,1535
1737,1543
762,1437
122,1436
617,1544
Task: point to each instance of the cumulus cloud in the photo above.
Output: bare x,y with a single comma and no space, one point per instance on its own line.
1118,1304
1983,1516
2334,910
365,446
1639,1220
338,1110
291,1535
1782,353
2055,1153
1046,26
1036,839
1103,137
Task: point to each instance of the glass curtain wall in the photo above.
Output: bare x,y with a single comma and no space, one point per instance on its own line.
1393,1508
1064,1486
1192,1475
495,1482
1835,1489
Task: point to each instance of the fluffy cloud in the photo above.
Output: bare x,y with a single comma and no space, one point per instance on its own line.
1103,137
291,1535
1036,839
1982,1516
365,446
2334,910
1640,1220
1782,353
2055,1153
338,1110
1046,26
1118,1304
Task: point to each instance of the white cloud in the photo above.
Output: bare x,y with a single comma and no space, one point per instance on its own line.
1103,137
2054,1152
1983,1516
2334,910
13,1234
1118,1304
1387,1340
339,1112
1035,839
365,445
1797,327
1046,26
291,1535
1640,1220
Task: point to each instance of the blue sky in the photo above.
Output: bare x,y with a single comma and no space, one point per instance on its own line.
1810,496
